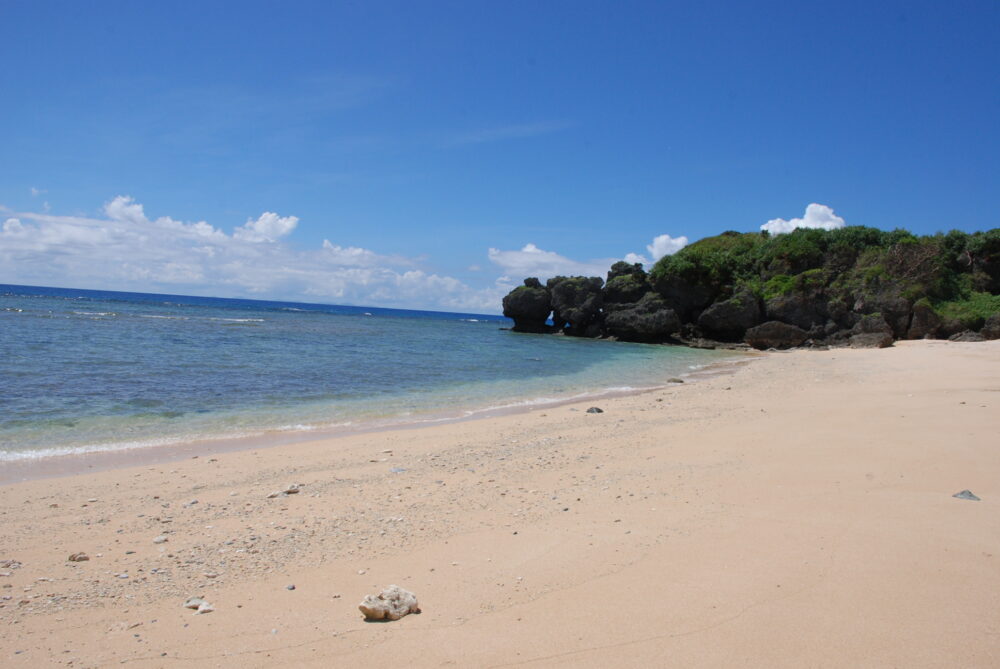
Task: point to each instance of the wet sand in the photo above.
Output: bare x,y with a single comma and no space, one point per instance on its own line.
796,512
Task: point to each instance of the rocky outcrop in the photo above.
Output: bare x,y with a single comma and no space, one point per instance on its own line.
775,334
871,332
925,322
968,335
648,320
854,286
529,307
891,305
797,309
728,320
626,284
576,304
991,329
687,299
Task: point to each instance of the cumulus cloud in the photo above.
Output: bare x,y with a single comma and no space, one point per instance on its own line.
665,245
127,250
533,261
12,226
269,227
125,210
817,216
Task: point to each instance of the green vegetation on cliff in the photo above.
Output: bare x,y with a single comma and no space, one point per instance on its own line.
852,286
958,272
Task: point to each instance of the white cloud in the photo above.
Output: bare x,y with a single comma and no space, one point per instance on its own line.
126,250
665,245
269,227
817,216
533,261
35,192
125,210
12,226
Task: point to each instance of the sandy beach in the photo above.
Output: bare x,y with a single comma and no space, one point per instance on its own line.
797,511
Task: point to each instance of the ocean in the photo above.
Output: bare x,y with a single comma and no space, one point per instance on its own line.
84,370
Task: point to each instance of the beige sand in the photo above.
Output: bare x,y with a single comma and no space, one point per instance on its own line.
796,513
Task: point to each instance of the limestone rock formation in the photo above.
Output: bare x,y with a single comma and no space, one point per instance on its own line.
529,306
853,286
891,305
576,304
925,322
872,331
648,320
728,320
798,309
775,334
991,329
391,604
626,284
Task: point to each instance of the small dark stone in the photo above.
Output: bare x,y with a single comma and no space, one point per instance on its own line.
595,410
966,494
289,587
675,380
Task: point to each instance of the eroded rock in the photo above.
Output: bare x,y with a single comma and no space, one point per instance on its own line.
529,306
872,331
991,329
648,320
391,604
576,304
775,334
729,319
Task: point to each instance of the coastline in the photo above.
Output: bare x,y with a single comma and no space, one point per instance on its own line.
107,459
794,512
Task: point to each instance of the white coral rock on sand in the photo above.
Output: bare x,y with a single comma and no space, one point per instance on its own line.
391,604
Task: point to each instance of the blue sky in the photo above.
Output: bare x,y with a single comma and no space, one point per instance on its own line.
374,153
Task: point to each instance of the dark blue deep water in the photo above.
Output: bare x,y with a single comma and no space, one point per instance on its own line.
84,370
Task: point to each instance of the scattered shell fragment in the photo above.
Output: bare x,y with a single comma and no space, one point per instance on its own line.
78,557
194,602
160,539
291,489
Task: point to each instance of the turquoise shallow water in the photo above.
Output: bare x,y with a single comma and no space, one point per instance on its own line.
83,371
